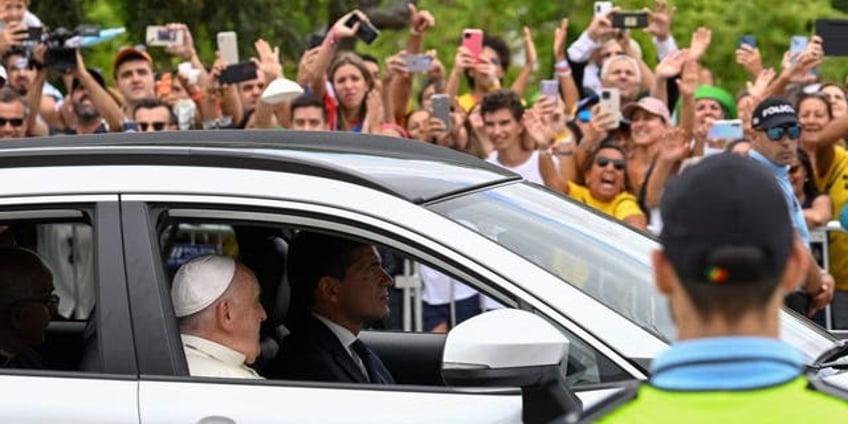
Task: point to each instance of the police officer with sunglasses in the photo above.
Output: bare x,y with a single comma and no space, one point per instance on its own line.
774,143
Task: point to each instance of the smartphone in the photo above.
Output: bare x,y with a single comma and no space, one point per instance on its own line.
748,40
366,32
441,108
728,130
228,46
630,20
611,102
240,72
34,33
549,88
61,58
797,44
472,39
602,7
158,35
834,34
417,62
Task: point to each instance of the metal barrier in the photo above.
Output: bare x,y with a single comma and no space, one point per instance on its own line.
410,283
819,247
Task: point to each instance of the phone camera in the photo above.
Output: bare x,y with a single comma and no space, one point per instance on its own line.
605,95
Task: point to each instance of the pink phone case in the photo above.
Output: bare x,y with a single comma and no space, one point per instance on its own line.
472,39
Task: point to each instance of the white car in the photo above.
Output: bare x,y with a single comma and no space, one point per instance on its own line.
115,215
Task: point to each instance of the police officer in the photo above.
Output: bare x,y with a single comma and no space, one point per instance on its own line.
729,255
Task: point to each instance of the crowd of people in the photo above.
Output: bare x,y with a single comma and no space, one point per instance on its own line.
616,159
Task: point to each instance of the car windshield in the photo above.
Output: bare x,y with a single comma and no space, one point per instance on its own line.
601,256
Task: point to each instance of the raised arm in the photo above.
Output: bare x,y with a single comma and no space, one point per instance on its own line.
337,32
562,69
530,58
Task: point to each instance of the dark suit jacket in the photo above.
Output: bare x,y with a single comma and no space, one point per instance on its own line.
313,353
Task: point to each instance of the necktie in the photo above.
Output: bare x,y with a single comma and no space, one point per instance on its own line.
372,363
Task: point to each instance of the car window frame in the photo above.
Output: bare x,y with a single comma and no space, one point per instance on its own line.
114,328
336,219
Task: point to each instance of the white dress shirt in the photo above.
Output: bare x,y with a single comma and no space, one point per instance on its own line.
209,359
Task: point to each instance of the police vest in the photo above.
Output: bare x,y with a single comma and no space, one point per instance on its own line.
792,402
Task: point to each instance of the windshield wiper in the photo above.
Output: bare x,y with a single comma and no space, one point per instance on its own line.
833,357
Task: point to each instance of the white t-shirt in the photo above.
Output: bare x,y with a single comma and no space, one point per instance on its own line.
437,287
529,169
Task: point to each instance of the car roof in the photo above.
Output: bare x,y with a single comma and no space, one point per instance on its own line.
418,172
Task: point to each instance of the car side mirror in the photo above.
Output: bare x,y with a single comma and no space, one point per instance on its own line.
509,348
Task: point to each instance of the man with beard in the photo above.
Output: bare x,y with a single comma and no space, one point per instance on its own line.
89,108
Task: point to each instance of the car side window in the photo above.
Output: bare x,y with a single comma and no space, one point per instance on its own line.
48,309
262,246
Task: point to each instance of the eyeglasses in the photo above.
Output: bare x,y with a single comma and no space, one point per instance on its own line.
15,122
777,133
603,161
157,126
50,301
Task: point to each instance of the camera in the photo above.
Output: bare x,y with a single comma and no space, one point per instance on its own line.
59,55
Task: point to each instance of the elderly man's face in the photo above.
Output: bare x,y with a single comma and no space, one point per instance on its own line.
248,314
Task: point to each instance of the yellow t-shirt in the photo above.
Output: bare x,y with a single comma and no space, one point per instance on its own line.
835,184
621,206
467,102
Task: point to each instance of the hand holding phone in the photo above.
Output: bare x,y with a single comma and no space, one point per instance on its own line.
611,102
472,39
549,88
748,40
162,36
367,32
441,109
417,62
240,72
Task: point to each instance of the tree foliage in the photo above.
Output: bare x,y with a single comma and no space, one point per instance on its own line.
288,23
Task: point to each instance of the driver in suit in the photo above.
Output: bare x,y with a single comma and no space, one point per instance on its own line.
337,284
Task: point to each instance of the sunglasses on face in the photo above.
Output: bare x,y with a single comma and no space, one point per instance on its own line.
603,161
157,126
777,133
15,122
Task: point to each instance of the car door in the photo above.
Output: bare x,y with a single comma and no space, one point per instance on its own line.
277,401
89,371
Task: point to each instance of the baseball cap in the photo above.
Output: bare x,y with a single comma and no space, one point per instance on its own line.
200,282
130,53
651,105
773,112
725,221
95,74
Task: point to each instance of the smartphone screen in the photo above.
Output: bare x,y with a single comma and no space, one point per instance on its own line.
549,88
228,46
728,130
240,72
417,62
